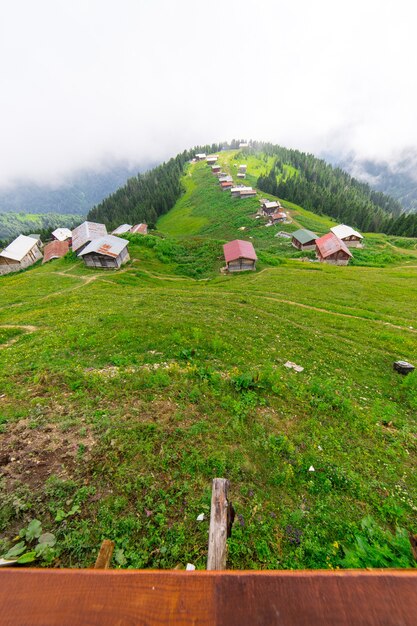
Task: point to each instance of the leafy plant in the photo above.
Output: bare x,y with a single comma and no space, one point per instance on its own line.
34,545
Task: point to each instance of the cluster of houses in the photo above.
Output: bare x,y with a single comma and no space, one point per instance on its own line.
90,241
330,248
273,210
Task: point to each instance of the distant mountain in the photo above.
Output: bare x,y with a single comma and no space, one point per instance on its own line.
397,178
77,195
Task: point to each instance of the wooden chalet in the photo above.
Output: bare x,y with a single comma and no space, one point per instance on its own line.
304,239
62,234
350,237
216,169
139,229
85,233
226,185
225,179
21,253
248,192
331,249
122,229
269,207
212,159
240,256
108,252
55,250
200,157
278,217
235,191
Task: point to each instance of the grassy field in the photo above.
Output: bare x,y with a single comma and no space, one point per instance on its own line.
122,394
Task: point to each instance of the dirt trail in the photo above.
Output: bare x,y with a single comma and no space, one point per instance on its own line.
28,328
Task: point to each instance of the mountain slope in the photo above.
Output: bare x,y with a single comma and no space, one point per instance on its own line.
123,393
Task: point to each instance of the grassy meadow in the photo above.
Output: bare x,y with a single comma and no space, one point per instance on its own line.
122,394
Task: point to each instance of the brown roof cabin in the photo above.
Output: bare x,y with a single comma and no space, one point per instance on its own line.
55,250
235,191
240,256
331,249
21,253
350,237
248,193
139,229
303,239
269,207
108,252
226,185
86,232
211,159
278,217
216,169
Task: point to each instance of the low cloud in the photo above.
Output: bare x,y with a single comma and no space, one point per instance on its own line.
86,83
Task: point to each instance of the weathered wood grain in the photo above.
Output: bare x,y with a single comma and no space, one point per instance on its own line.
105,554
219,515
122,597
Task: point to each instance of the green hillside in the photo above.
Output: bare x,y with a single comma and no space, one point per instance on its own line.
122,394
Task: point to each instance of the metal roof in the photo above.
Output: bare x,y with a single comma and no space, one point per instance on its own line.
238,249
55,250
225,179
270,205
121,230
141,229
109,245
330,244
342,231
61,234
19,248
86,232
304,236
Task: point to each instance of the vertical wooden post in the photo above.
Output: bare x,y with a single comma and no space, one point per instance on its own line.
219,522
105,555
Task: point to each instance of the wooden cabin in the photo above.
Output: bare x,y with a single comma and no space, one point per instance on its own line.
350,237
139,229
62,234
304,239
235,191
241,175
216,169
331,249
248,192
225,179
108,252
226,185
21,253
122,229
211,159
86,232
200,157
242,169
240,256
278,217
269,207
55,250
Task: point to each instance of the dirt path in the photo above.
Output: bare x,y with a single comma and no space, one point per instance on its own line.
28,328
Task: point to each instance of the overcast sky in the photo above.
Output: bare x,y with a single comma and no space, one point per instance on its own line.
84,82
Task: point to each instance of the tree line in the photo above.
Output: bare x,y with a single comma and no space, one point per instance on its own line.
321,188
147,196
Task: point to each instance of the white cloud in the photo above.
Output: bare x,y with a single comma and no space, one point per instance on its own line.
88,80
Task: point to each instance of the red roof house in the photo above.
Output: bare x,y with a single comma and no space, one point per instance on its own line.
239,256
139,229
55,250
331,249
